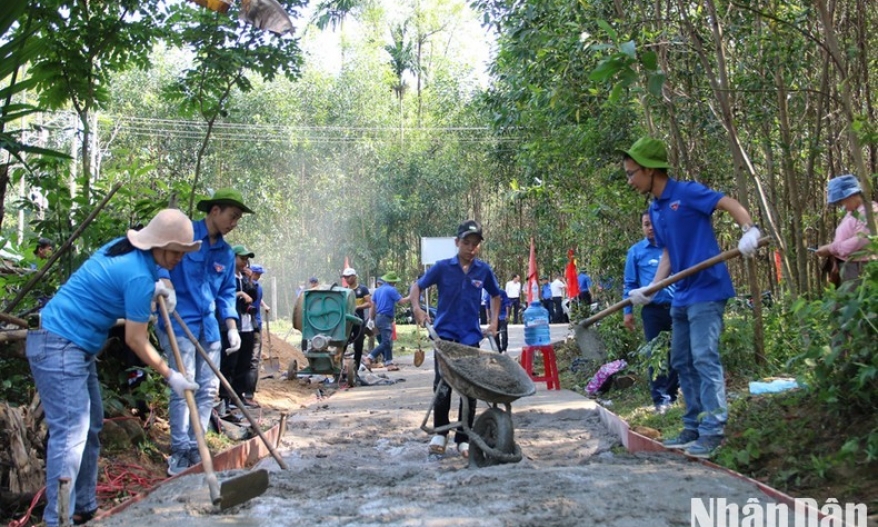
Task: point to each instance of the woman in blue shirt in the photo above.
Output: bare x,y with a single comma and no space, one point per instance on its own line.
119,281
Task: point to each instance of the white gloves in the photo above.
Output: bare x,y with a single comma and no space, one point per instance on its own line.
234,341
639,297
370,325
749,242
161,289
180,384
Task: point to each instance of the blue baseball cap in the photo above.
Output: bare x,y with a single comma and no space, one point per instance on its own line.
256,268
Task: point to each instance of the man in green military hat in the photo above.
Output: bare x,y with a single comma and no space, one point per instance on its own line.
385,299
204,282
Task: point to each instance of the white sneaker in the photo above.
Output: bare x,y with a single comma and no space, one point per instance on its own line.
437,444
463,449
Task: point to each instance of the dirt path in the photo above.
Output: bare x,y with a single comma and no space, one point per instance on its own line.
359,458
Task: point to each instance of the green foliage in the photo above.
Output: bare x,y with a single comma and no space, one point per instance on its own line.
841,344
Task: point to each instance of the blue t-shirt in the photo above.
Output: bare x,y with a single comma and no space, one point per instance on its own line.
505,304
205,284
681,218
584,282
546,292
103,290
385,299
457,311
640,267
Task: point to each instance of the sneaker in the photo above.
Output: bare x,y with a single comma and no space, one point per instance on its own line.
178,463
705,446
194,457
662,409
686,438
437,444
463,449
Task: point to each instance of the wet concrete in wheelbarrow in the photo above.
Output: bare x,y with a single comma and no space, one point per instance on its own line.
360,458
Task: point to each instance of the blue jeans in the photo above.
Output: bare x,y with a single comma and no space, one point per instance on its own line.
695,356
67,380
384,323
664,386
182,436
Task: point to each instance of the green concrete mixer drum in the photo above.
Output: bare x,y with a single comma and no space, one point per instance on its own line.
329,313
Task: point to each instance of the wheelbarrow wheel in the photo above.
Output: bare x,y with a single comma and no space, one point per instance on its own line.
494,426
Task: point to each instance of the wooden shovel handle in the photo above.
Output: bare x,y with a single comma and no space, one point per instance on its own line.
194,419
676,277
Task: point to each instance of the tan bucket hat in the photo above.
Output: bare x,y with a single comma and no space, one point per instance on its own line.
169,229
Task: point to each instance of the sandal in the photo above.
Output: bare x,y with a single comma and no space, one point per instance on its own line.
367,363
392,367
437,444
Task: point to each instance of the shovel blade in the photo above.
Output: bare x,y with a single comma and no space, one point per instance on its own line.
240,489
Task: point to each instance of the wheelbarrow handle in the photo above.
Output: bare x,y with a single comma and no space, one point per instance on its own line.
674,278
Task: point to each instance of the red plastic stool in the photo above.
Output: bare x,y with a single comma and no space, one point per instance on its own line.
550,365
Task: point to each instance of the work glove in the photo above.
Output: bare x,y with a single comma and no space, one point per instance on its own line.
180,384
749,242
161,289
370,325
234,341
639,297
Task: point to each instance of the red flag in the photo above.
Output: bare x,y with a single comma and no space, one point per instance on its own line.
344,281
533,278
572,276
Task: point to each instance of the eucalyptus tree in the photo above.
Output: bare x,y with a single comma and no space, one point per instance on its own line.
226,53
82,45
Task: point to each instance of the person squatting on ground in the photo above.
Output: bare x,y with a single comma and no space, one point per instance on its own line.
681,217
385,299
513,291
640,267
205,283
119,281
851,233
363,303
459,281
241,367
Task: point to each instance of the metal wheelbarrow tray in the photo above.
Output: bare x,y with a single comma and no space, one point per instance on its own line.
491,377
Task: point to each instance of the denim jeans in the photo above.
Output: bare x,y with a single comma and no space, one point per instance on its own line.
182,436
664,386
695,356
384,324
67,380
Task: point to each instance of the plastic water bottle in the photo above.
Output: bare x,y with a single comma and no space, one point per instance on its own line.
536,325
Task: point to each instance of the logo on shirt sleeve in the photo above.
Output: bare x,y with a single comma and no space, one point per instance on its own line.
675,205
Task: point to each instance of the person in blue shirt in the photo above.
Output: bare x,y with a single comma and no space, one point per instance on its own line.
546,297
681,217
119,281
385,299
640,267
205,286
585,284
459,281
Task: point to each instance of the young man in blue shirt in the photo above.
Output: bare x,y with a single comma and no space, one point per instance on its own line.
640,267
681,217
459,281
385,299
205,286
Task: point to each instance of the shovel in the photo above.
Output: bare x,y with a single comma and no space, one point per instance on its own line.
273,359
587,340
233,491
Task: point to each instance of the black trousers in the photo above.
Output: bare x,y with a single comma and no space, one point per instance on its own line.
442,407
240,368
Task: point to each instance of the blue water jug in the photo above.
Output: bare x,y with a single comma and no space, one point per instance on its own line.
536,325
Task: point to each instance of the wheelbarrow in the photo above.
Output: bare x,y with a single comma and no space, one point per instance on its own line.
488,376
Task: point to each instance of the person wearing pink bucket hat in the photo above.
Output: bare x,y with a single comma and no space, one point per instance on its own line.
120,280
